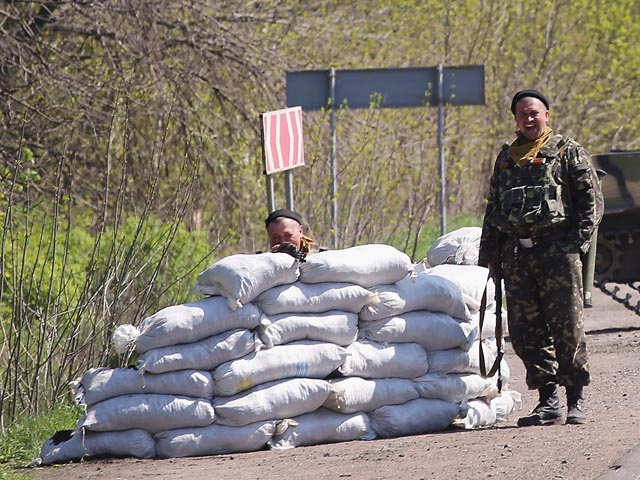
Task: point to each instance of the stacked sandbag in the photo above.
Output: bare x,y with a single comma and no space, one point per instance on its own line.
259,384
409,317
435,310
71,445
306,329
281,354
482,412
455,374
461,247
320,427
124,407
124,399
169,394
241,278
474,281
458,247
185,324
364,265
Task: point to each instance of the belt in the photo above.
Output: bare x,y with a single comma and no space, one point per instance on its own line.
536,240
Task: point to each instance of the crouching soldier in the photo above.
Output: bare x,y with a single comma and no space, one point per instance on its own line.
286,233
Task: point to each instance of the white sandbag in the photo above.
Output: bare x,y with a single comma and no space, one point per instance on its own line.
241,278
314,298
458,360
191,322
417,416
489,323
369,359
297,359
365,265
432,330
321,427
506,403
421,267
460,247
504,371
99,384
271,401
214,440
483,412
151,412
419,292
456,387
356,394
206,354
334,326
75,445
477,413
472,281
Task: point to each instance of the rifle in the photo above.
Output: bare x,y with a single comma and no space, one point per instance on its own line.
497,279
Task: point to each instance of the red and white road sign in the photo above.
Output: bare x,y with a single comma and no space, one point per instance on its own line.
282,142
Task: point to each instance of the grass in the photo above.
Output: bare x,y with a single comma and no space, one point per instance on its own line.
20,443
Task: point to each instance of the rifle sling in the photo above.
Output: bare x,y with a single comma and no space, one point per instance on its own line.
498,332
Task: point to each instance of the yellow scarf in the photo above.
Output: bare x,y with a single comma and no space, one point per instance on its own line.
522,150
306,243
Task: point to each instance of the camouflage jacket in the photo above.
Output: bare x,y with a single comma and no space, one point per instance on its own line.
558,191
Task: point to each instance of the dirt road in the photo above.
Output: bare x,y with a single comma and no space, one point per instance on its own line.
503,451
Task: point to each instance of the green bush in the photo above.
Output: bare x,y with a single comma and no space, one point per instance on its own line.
64,290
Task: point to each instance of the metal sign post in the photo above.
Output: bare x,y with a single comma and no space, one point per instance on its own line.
443,171
396,87
334,169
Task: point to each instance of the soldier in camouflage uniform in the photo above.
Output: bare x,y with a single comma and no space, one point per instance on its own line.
543,206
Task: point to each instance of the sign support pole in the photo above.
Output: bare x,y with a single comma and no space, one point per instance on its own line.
443,176
271,204
334,170
268,179
288,177
396,87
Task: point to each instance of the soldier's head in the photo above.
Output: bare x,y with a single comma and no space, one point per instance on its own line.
284,226
530,109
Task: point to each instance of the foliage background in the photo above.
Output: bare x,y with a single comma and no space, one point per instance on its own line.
130,143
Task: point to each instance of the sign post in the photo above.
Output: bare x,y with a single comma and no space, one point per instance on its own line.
396,87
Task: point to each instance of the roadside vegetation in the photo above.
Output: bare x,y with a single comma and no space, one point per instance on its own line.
20,443
130,154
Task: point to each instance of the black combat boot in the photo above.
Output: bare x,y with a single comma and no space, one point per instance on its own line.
575,406
548,410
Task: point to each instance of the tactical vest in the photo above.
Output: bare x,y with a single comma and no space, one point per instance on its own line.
533,199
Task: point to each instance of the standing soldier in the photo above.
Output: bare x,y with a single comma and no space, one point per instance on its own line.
543,206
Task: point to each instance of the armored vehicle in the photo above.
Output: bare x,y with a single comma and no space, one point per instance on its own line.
618,248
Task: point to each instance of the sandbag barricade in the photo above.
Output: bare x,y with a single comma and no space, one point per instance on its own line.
334,351
482,412
322,426
241,278
459,247
355,265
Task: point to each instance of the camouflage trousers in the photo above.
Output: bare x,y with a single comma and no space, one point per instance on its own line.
544,295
